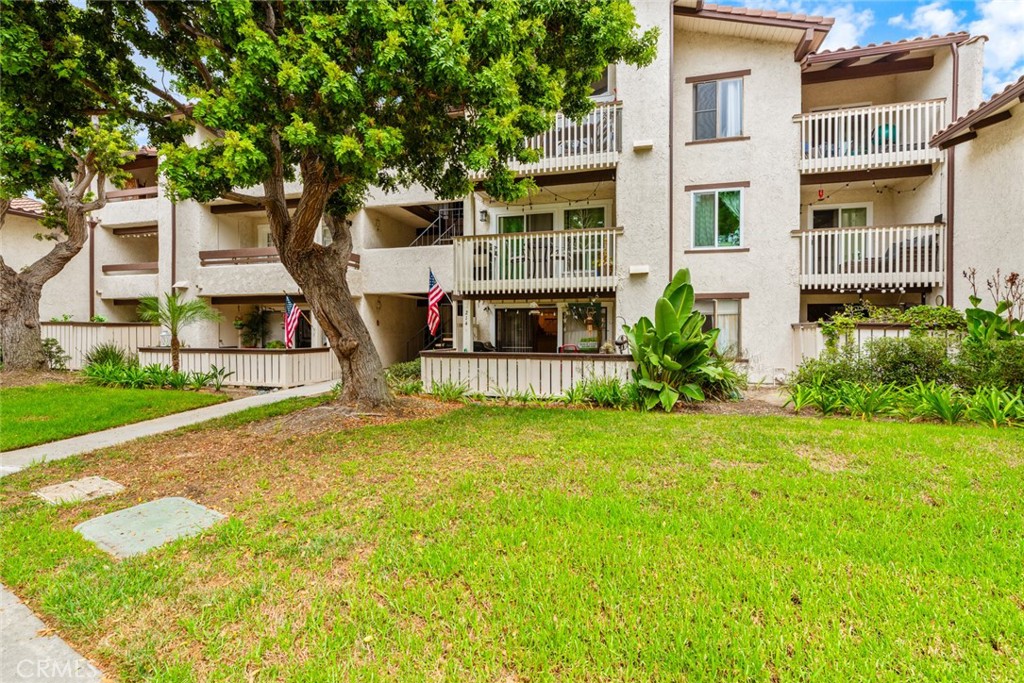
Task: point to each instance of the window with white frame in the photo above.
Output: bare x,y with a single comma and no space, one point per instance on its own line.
718,109
723,314
717,219
840,216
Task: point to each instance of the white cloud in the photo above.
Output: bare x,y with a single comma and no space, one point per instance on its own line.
850,23
932,18
1003,22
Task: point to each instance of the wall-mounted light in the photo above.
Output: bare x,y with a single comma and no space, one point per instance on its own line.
485,217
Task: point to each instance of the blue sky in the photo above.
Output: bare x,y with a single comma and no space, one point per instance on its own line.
859,22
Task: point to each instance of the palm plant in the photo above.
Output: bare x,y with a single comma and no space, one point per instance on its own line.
175,313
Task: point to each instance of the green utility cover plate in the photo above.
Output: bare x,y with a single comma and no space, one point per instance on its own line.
137,529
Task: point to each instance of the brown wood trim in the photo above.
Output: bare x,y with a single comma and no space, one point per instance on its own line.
553,179
893,56
717,250
354,261
721,295
866,174
618,229
238,207
238,256
142,267
705,13
992,120
134,193
718,77
887,49
613,357
868,70
256,299
735,138
142,230
91,324
805,46
141,161
717,186
851,289
235,349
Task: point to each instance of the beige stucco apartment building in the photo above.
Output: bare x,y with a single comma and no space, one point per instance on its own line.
788,179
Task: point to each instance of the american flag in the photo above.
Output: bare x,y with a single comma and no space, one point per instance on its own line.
291,321
434,296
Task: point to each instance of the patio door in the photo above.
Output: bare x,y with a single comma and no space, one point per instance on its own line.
527,330
847,248
524,258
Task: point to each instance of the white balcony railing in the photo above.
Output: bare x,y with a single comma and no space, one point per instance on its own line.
590,143
536,262
882,257
870,137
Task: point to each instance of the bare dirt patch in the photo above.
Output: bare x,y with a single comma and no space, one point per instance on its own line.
735,464
823,460
334,417
28,378
757,402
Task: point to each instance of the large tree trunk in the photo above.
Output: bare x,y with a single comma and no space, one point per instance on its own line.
20,340
321,273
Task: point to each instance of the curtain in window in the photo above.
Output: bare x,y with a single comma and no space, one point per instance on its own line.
704,220
727,320
732,108
729,218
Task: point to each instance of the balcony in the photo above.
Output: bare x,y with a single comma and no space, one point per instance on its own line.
560,261
128,280
880,257
593,142
248,271
859,138
137,206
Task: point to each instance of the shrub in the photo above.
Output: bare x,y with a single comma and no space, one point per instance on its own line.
404,371
996,407
274,344
408,387
866,400
945,403
110,353
834,366
1008,367
218,376
675,357
904,360
449,391
56,359
604,392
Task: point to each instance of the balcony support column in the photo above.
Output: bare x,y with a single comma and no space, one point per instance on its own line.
467,326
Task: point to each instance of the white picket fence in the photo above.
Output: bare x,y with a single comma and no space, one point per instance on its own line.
77,339
809,342
279,368
546,374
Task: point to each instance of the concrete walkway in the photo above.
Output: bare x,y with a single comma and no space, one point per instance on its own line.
29,653
14,461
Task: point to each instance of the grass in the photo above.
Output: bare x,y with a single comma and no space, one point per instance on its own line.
49,412
536,544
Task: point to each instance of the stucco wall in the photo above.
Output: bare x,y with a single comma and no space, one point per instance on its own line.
64,292
769,269
990,203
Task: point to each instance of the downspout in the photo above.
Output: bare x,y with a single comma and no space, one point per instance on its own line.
671,127
92,269
951,177
174,243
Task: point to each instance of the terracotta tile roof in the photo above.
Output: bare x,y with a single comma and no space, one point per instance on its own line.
1014,91
768,14
146,151
27,206
900,45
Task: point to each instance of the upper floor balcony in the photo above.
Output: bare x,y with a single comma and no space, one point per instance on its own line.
859,138
593,142
874,257
128,280
254,270
558,261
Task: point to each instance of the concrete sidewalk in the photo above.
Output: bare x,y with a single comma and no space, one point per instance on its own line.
28,652
14,461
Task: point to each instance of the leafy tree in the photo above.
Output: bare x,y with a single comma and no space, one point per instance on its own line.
352,95
173,312
63,133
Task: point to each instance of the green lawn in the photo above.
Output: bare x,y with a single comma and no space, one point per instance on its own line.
503,544
49,412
